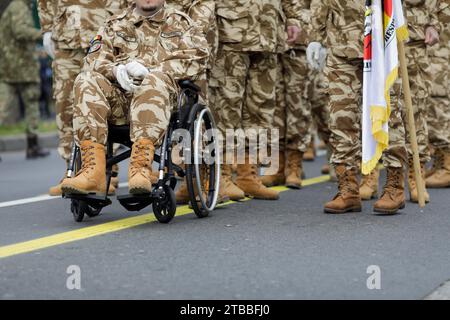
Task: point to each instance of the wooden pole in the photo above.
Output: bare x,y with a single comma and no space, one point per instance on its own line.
411,123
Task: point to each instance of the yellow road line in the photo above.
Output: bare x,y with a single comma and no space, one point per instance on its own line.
113,226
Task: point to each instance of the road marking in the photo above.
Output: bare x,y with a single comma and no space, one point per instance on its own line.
104,228
44,197
441,293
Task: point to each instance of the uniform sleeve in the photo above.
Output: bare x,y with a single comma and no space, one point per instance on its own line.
183,57
46,14
433,14
319,17
22,23
292,9
100,57
204,14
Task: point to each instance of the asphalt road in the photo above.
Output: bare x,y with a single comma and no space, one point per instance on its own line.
286,249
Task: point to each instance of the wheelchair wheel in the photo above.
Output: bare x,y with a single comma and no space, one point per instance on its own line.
203,171
80,208
165,206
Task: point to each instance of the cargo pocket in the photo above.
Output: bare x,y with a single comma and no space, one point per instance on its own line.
232,20
67,29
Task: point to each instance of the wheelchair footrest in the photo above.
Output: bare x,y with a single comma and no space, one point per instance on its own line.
92,200
135,202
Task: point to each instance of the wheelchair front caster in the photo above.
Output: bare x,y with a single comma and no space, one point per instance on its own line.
164,204
80,208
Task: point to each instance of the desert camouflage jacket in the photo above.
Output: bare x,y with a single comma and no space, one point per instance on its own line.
75,22
167,42
420,14
254,25
18,39
202,12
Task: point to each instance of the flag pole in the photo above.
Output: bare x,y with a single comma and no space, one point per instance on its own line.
411,124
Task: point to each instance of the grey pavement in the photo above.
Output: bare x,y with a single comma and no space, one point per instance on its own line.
286,249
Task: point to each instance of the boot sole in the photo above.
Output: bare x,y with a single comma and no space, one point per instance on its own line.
389,211
294,186
72,190
333,211
139,190
261,198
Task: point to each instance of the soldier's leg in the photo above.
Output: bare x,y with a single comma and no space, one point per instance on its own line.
298,115
394,160
345,84
279,123
29,94
439,125
66,67
258,112
8,101
227,88
96,101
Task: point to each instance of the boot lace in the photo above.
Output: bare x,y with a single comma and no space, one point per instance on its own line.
87,159
139,158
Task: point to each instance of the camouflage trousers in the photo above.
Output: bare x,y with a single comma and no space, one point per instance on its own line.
317,98
242,87
439,105
420,82
345,101
98,102
292,114
12,94
66,67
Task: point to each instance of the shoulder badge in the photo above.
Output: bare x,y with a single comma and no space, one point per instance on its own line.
95,44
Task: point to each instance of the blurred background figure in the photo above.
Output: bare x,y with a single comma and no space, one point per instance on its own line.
19,69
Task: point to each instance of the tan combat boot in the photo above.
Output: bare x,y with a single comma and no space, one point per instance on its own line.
279,178
413,194
325,169
249,182
115,176
441,177
294,169
393,197
92,176
347,199
368,188
228,187
437,163
140,169
310,153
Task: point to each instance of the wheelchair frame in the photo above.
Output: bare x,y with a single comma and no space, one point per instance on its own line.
162,196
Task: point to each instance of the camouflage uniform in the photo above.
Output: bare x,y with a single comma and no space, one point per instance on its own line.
420,14
171,47
337,25
19,65
244,74
73,24
439,104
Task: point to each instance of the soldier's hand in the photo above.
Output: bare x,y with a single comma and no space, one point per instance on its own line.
431,36
123,78
136,70
49,44
293,33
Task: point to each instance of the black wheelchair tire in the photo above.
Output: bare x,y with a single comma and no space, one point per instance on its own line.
165,210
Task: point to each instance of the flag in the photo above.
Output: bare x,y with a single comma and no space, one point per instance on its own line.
384,26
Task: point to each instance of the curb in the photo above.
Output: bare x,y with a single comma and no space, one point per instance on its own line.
19,143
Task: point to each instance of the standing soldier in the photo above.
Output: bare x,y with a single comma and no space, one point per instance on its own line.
439,104
339,24
19,68
243,78
69,26
292,116
423,27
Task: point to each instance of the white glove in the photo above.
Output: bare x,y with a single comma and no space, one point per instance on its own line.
49,44
316,55
136,70
124,79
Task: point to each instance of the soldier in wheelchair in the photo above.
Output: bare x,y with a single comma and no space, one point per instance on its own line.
135,74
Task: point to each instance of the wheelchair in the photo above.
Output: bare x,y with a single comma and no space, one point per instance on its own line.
202,177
